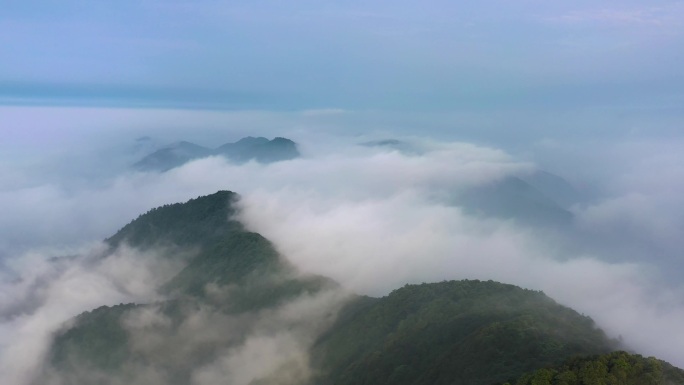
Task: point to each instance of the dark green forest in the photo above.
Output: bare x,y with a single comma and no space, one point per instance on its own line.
616,368
458,332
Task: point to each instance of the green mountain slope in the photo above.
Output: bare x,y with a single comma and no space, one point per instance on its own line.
460,332
235,288
234,275
194,223
617,368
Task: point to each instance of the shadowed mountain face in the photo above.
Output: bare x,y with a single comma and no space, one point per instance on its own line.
238,312
246,149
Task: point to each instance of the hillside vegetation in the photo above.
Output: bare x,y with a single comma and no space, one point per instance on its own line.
235,286
617,368
458,332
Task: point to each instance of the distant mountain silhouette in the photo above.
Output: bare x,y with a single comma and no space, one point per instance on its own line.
514,198
394,144
537,198
554,187
259,149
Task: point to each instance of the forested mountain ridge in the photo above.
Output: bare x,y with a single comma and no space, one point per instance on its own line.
457,332
195,222
235,288
232,278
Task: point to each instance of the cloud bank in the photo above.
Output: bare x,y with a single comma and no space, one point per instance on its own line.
373,218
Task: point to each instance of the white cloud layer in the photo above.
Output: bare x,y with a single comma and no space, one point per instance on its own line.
373,219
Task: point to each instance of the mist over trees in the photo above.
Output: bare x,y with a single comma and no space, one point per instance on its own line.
239,311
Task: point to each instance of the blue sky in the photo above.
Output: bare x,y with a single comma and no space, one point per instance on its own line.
352,54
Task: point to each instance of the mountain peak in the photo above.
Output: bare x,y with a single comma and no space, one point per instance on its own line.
252,140
259,149
186,223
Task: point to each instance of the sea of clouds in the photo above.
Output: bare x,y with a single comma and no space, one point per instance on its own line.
372,218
